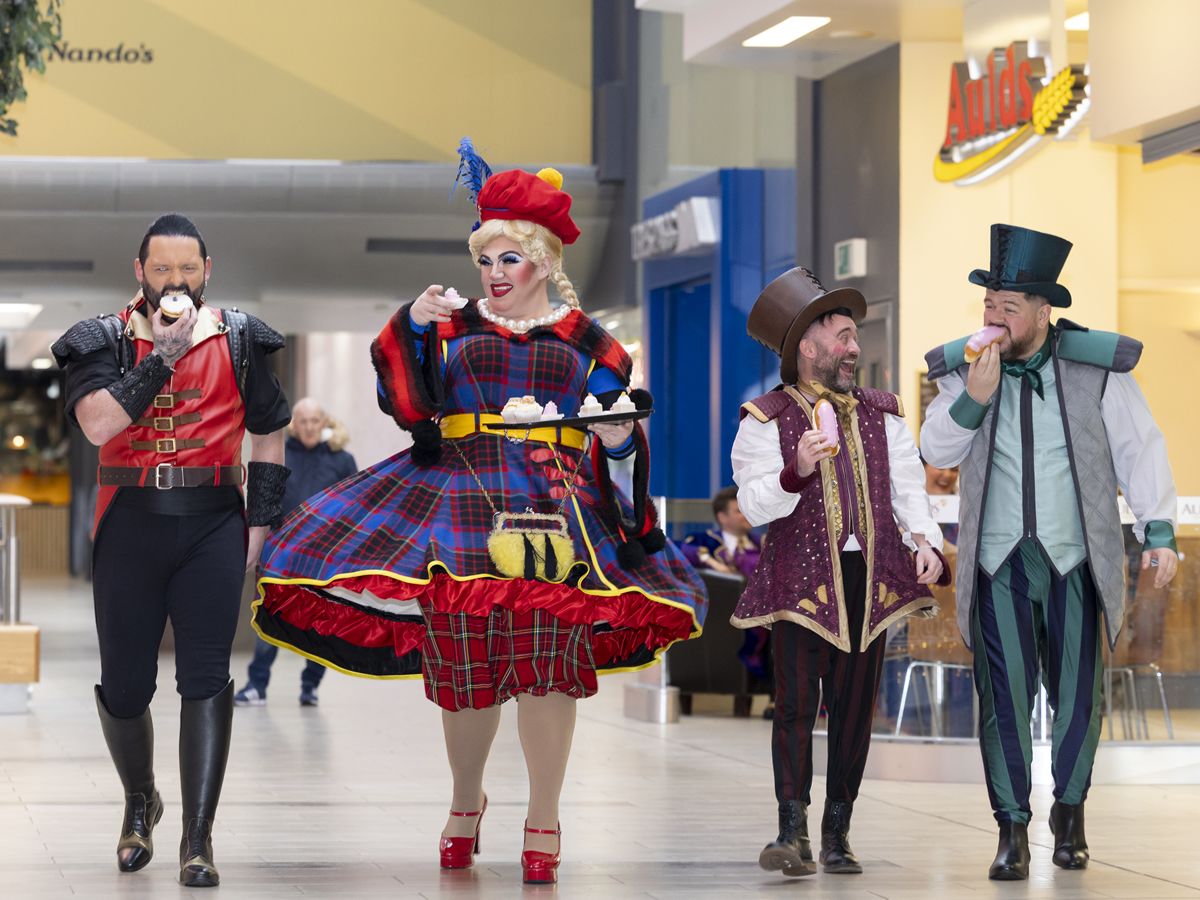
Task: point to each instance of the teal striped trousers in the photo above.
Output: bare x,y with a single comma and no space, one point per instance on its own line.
1029,622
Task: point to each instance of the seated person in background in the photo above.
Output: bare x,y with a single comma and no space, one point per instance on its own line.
729,546
942,481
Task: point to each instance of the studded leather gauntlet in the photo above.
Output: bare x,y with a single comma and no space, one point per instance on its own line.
136,391
264,493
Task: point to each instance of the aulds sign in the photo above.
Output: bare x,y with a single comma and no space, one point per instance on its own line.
997,115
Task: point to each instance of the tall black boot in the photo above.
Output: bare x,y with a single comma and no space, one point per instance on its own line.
791,851
131,746
1012,855
204,729
1070,844
836,855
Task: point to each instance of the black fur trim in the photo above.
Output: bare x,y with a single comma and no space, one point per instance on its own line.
427,444
641,398
631,555
264,493
653,540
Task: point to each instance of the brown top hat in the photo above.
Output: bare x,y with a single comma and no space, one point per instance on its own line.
788,305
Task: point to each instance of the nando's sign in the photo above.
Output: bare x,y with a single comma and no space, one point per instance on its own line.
1005,111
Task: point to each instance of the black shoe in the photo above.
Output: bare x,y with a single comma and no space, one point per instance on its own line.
1012,855
204,730
791,851
836,856
308,697
131,745
1070,845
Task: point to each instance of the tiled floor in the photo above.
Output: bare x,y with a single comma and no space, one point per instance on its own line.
346,800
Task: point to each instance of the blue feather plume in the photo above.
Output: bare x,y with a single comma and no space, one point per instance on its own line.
472,170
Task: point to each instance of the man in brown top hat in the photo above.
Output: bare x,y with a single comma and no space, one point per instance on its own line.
836,569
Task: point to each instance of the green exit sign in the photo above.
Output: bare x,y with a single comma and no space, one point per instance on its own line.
850,259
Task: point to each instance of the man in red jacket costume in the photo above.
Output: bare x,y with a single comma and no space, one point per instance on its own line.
168,403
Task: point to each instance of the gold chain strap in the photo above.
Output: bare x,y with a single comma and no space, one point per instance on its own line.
571,485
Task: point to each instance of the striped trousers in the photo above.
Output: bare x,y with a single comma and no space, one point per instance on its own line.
1028,621
808,667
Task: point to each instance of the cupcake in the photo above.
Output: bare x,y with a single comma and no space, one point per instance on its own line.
591,406
519,410
451,297
622,404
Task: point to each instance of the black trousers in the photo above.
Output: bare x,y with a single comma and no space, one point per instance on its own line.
148,566
808,668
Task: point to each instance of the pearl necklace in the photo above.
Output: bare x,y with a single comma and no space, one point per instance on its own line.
521,325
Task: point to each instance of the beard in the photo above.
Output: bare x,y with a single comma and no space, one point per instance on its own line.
1022,350
828,369
153,297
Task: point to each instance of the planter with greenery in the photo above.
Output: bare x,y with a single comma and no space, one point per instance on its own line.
28,28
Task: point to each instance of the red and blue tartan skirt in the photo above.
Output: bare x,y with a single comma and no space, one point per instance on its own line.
387,574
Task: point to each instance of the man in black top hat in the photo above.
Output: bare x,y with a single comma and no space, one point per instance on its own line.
1045,424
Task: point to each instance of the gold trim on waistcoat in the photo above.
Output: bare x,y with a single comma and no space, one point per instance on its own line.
833,527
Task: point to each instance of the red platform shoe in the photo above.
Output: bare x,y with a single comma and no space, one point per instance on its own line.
459,852
538,867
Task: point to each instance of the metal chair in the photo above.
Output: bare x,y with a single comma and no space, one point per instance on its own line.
1138,650
935,648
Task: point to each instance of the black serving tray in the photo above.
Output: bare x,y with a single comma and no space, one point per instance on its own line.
581,422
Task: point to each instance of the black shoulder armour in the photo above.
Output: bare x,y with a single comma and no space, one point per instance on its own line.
241,329
90,335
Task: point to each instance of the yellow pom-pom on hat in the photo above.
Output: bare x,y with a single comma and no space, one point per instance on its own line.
517,194
552,177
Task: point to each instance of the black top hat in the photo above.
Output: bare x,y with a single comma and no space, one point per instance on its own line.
788,305
1027,261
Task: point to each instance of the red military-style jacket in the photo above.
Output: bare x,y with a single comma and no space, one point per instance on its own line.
198,419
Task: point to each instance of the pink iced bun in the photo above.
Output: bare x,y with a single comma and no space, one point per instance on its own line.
826,420
981,340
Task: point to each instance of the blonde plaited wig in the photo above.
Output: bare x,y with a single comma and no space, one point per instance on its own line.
537,243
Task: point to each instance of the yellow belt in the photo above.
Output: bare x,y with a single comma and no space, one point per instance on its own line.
460,425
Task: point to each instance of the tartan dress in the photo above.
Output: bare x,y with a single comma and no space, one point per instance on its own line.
387,573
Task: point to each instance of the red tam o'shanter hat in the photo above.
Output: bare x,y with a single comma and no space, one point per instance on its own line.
539,198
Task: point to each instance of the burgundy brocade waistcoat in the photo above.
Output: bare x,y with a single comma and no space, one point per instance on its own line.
799,577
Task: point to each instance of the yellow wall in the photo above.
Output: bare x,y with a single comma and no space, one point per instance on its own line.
1160,297
1135,266
369,80
1068,188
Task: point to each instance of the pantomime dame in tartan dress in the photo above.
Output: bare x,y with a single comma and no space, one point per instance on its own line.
492,567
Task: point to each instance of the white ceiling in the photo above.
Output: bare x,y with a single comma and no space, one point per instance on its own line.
713,30
288,240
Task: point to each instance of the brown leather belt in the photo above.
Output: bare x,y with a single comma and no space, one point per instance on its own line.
166,401
168,423
168,445
166,476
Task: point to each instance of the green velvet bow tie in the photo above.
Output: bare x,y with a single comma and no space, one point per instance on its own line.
1030,369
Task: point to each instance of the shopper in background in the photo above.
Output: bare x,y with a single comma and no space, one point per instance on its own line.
316,463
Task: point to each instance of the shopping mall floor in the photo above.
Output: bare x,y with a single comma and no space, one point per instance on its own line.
347,800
